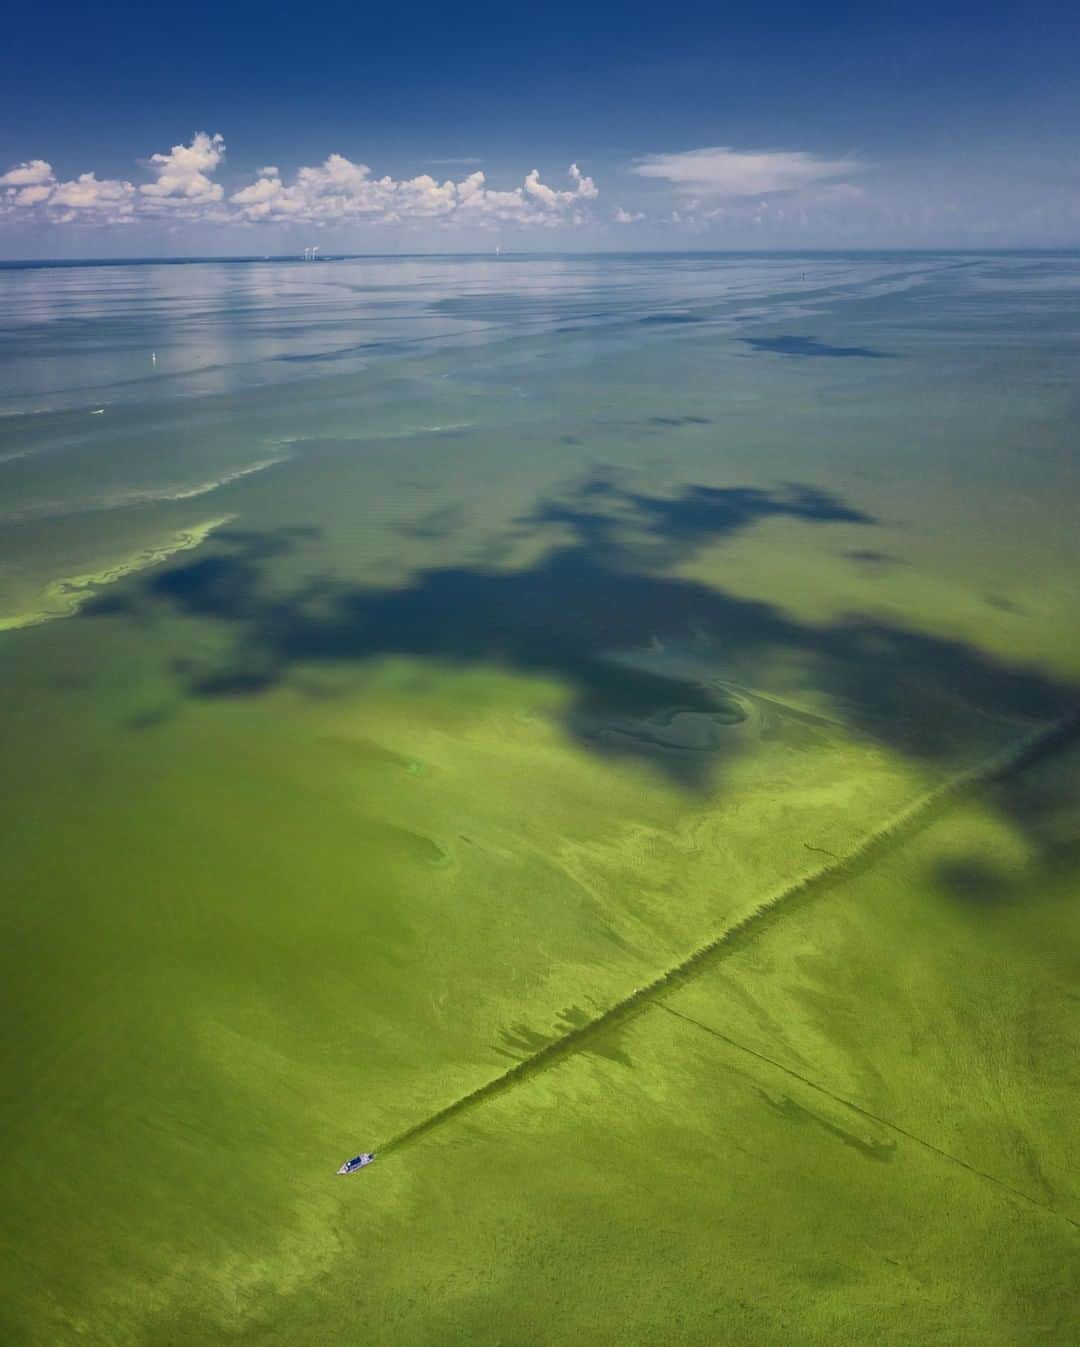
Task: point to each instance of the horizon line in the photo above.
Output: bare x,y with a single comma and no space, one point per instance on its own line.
15,263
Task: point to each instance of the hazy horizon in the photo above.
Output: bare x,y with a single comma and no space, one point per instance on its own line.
329,256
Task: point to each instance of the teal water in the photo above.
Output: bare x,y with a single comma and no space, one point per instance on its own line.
404,660
140,403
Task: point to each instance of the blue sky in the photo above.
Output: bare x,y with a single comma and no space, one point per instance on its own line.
440,128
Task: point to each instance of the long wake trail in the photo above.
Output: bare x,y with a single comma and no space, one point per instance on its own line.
893,833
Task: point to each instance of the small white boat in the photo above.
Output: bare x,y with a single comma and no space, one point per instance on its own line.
357,1162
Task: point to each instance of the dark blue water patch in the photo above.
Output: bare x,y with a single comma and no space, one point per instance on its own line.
680,421
811,347
606,583
1045,809
971,880
313,357
234,682
112,604
667,531
669,319
502,307
392,346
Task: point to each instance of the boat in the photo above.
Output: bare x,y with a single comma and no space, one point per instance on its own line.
357,1162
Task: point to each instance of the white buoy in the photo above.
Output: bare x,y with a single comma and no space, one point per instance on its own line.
153,357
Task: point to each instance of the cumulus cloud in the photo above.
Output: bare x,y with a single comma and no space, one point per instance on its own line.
335,191
90,199
32,196
33,172
584,188
340,190
628,217
183,173
719,171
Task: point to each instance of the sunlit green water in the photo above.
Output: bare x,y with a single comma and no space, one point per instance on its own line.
406,660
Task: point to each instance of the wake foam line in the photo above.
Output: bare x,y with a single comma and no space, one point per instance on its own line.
865,1113
893,833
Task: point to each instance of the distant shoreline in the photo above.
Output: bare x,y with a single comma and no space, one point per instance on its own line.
32,263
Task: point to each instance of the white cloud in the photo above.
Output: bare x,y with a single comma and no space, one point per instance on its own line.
182,173
32,196
628,217
335,191
181,178
536,188
87,196
30,174
586,188
723,172
339,190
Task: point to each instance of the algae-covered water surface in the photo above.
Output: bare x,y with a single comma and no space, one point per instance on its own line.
599,732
